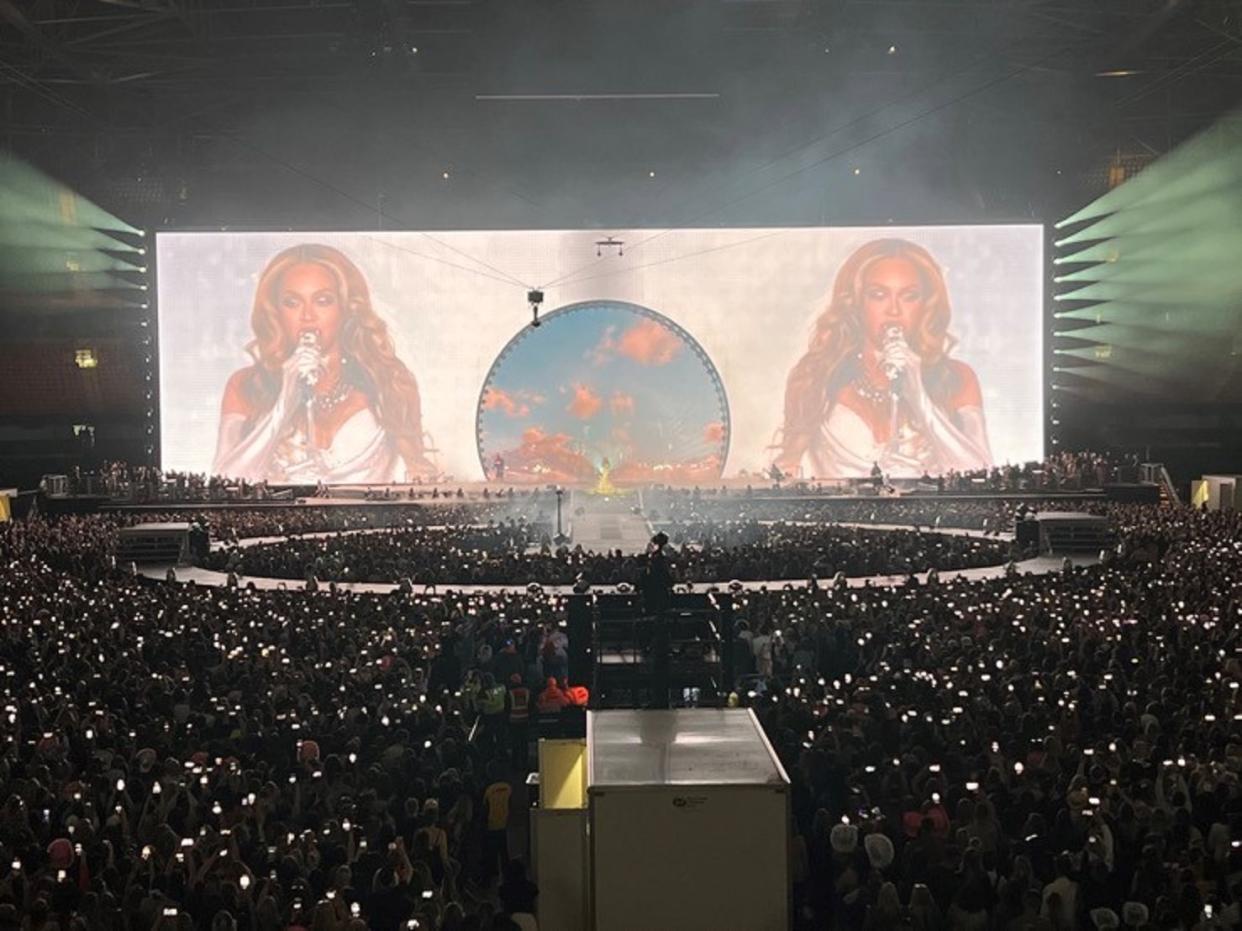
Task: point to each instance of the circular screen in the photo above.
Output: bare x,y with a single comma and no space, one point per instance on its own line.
603,390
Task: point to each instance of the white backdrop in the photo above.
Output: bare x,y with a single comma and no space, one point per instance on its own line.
453,299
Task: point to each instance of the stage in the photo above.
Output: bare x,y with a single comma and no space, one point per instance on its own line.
492,493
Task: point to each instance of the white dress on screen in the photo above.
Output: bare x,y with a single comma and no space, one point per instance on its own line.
360,453
845,445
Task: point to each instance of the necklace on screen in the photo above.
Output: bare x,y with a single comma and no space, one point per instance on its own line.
869,392
329,400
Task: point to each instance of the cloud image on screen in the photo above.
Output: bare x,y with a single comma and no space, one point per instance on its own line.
603,386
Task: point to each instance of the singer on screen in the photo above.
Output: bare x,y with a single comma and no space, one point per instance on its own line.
326,398
877,384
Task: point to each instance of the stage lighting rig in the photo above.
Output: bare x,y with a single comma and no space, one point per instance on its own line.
535,298
609,243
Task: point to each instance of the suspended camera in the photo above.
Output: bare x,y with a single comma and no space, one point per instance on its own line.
535,298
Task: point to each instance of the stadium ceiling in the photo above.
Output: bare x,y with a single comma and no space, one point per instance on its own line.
165,87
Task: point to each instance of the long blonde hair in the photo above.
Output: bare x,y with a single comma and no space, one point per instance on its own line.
837,337
365,342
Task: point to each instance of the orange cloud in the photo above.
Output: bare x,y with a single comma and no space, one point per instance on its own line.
714,432
585,403
547,457
621,403
498,399
649,343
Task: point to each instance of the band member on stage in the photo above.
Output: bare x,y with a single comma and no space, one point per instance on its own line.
326,398
877,385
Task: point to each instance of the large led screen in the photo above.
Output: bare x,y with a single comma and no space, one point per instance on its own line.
671,356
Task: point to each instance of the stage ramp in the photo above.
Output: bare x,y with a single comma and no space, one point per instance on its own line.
609,523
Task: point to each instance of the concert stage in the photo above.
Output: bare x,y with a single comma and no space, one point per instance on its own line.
416,495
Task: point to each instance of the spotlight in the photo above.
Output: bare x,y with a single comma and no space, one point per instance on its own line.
857,171
444,175
892,50
651,174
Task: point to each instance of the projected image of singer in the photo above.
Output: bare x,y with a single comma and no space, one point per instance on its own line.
877,384
326,399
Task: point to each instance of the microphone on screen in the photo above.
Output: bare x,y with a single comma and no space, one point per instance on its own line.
310,340
893,335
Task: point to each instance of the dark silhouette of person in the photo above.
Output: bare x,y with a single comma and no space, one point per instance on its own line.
656,587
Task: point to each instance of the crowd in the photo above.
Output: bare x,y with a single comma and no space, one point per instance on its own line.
513,553
139,483
231,525
1063,471
133,482
427,555
182,758
1031,752
992,515
1038,752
